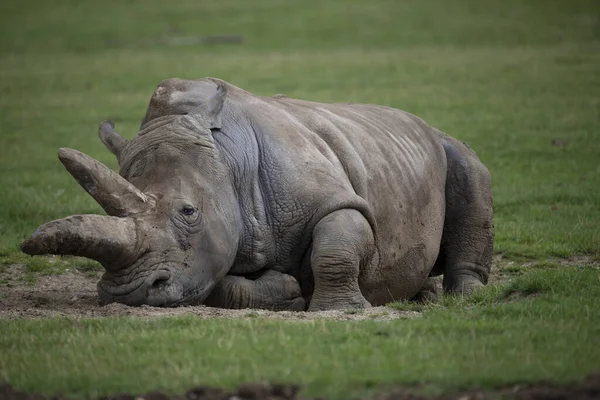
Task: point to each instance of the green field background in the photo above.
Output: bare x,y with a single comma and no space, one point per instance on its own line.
510,78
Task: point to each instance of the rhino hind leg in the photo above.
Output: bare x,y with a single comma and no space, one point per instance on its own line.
468,238
342,241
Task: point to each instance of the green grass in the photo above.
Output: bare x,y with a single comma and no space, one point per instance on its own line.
517,80
506,77
35,266
488,340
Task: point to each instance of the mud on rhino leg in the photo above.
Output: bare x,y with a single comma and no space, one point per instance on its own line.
342,241
468,238
271,291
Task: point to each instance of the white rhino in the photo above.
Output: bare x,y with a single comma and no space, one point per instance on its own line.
236,200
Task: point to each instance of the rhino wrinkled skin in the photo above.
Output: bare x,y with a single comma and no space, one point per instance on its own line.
235,200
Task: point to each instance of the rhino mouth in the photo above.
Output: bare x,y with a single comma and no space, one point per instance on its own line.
148,292
163,286
194,296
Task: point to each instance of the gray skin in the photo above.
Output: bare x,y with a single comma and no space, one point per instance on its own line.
239,201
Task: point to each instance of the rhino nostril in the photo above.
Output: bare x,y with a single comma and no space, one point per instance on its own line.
157,284
161,279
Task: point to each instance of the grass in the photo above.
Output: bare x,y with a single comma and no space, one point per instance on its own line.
487,340
35,266
509,78
517,80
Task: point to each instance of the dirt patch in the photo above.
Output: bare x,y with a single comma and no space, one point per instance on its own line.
73,294
504,269
519,296
586,390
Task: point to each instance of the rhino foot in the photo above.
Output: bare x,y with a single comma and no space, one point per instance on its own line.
271,291
429,293
339,303
465,286
464,278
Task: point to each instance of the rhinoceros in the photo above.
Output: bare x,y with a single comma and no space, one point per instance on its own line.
235,200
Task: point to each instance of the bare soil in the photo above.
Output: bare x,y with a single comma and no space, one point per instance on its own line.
588,389
73,294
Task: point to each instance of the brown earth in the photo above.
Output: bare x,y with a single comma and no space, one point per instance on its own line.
73,294
586,390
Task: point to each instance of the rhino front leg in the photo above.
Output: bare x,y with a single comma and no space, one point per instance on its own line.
271,291
342,241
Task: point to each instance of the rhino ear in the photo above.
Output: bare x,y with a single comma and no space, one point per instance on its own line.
111,139
215,105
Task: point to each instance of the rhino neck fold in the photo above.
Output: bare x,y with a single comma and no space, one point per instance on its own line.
239,149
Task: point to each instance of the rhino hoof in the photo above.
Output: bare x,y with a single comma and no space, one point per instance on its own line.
356,302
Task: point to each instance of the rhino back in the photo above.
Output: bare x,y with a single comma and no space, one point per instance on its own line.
315,158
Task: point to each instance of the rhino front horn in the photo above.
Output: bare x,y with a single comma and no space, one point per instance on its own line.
116,196
109,240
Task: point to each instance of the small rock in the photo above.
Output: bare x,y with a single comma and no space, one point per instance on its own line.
287,392
205,393
253,391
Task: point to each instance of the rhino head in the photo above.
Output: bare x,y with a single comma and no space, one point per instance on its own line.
173,223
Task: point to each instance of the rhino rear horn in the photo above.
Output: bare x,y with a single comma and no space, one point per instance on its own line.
109,240
111,138
116,196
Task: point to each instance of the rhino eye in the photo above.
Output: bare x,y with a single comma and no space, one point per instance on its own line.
188,210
